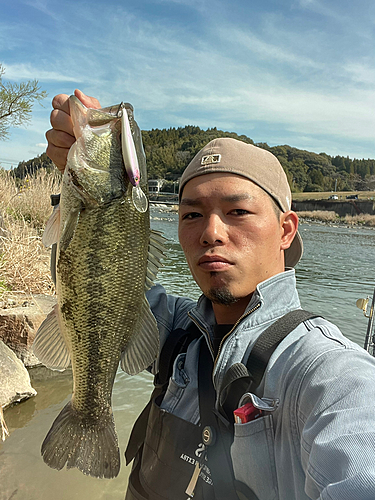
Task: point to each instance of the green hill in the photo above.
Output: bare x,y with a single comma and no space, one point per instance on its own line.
168,151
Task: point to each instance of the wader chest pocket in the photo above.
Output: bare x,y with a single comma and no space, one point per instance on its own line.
177,384
253,457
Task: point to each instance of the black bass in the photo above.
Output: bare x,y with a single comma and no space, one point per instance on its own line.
107,257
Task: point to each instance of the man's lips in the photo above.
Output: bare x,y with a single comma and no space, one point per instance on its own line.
213,263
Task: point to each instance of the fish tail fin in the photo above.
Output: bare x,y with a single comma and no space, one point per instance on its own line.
91,447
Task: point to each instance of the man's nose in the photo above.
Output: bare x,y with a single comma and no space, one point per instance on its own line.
214,231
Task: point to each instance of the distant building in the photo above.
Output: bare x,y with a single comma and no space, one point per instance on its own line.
155,185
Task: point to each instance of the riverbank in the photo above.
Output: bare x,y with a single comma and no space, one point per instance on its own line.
330,217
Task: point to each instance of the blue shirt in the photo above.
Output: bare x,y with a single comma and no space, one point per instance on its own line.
317,441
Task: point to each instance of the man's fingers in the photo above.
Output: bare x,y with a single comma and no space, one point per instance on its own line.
58,156
61,121
59,138
61,101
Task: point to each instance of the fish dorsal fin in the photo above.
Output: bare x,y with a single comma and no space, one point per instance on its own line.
143,347
156,250
49,345
51,232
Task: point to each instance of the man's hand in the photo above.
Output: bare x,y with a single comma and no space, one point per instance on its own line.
61,136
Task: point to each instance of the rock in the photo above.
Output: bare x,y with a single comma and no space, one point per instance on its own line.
19,324
14,378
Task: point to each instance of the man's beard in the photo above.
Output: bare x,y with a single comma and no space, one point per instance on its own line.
221,296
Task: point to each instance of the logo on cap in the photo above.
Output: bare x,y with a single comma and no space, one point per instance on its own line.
208,159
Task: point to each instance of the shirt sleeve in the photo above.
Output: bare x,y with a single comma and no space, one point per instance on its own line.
170,313
336,420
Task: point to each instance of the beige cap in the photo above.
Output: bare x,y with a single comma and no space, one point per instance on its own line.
260,166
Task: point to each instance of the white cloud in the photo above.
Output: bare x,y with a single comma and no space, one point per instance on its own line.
27,71
42,6
267,51
322,9
193,82
361,73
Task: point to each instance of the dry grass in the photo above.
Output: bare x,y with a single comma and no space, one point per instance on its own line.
330,216
321,215
31,201
362,219
24,261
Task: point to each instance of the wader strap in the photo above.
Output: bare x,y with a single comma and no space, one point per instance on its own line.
218,450
270,339
176,342
218,447
241,378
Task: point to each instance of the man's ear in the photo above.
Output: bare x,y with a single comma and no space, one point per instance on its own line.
289,226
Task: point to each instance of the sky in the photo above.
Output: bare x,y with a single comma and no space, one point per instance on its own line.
296,72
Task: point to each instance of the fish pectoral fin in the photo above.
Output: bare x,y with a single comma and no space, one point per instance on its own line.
51,232
143,347
68,230
156,251
49,345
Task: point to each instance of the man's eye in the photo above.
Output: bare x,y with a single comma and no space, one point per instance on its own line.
239,211
191,215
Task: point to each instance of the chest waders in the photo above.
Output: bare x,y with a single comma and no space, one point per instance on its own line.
177,460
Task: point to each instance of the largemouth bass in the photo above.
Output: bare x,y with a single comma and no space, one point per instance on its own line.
107,257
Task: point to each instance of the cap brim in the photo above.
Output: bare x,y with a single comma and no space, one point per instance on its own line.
294,253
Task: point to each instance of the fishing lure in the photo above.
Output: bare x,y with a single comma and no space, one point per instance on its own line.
129,155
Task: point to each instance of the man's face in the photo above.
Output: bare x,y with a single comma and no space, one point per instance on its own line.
231,236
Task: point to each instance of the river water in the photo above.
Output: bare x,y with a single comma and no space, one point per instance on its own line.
336,270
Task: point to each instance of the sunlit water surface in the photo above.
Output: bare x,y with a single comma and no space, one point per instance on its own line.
336,270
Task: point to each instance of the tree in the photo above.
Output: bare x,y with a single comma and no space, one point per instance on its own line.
16,103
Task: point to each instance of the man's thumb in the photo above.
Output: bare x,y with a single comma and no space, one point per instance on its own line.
89,102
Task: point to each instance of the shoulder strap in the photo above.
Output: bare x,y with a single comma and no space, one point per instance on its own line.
270,339
239,378
218,444
245,376
177,342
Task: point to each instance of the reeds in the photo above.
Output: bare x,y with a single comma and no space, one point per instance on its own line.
330,216
24,211
319,215
362,219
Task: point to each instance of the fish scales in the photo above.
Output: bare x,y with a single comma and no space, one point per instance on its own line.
108,284
106,258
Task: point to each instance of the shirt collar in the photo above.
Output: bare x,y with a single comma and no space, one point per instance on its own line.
275,295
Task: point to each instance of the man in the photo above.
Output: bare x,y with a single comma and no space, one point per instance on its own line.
310,433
